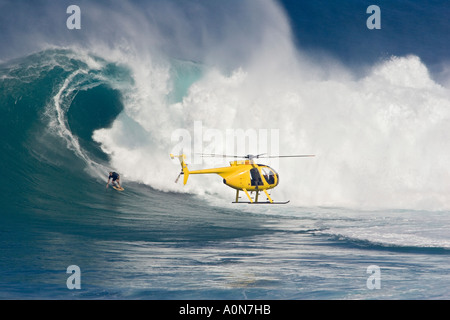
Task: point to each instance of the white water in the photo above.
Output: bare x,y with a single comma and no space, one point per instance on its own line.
381,140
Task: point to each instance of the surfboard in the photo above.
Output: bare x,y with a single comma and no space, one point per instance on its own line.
118,189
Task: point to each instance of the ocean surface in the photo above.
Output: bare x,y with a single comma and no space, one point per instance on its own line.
368,217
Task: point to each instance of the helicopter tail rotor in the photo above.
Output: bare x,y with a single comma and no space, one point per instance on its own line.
176,180
184,167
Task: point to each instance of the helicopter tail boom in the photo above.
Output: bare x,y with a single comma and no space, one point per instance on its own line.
223,172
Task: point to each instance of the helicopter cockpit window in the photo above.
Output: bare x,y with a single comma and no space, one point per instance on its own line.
268,175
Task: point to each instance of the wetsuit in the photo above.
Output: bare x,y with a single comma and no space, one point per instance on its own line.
114,176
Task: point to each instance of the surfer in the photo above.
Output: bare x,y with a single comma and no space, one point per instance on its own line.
114,176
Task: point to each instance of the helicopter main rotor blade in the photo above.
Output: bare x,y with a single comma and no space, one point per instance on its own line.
251,156
294,156
219,155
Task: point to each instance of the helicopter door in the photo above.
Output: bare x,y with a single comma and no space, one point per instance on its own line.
255,177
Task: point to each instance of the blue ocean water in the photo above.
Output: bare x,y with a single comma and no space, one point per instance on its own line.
373,105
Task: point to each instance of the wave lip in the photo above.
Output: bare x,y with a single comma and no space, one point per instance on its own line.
390,242
419,232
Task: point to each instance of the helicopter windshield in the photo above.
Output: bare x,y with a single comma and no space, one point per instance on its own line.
268,174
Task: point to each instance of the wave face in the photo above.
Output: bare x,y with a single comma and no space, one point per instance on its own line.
76,105
381,144
379,135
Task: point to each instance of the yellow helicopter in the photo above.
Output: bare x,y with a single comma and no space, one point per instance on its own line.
242,175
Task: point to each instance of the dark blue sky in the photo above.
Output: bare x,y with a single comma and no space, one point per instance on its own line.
339,28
